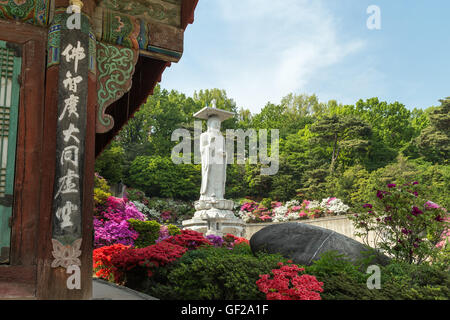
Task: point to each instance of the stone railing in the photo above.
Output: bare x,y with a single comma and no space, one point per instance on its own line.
340,224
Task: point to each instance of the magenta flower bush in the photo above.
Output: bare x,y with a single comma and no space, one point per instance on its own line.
217,241
111,232
404,225
111,225
119,209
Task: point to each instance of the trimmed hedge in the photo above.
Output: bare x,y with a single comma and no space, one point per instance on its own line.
148,232
213,274
399,281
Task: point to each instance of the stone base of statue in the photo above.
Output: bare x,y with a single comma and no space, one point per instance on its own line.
218,227
215,217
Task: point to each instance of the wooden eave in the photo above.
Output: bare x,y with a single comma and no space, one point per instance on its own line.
148,73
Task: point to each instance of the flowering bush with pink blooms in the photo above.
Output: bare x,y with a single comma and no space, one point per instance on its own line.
252,211
111,225
405,226
108,232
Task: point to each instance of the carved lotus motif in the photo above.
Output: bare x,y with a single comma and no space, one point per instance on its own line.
66,255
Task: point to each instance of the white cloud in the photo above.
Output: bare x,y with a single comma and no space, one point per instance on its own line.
265,49
282,45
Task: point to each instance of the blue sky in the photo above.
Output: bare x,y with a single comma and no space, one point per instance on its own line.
261,50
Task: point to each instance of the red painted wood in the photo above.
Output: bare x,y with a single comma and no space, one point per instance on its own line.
18,279
187,12
51,282
44,255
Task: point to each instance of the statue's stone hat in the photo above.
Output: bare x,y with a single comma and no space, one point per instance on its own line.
207,112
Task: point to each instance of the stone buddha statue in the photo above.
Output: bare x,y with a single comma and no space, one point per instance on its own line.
214,162
213,213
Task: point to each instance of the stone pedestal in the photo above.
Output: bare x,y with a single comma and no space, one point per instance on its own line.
215,217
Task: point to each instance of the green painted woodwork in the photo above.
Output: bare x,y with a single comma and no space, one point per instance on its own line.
10,67
30,11
54,38
168,12
115,69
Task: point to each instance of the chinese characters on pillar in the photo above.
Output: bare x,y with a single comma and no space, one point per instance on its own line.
69,156
70,139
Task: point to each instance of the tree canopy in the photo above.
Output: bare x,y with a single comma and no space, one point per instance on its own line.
326,149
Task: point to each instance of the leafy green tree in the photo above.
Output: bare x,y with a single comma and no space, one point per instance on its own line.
303,105
159,177
236,186
342,134
349,186
393,127
244,119
390,121
294,112
259,185
149,131
110,164
434,141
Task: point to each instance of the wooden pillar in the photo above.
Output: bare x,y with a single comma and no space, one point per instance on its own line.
65,252
18,278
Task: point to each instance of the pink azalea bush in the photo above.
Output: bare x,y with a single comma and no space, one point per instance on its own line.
405,226
111,225
252,211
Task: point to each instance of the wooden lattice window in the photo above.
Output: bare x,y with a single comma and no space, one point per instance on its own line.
10,66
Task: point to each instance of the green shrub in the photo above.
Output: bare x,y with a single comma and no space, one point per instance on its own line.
110,163
342,286
342,279
173,230
399,281
214,274
407,225
266,202
148,232
101,190
333,263
421,275
136,195
101,193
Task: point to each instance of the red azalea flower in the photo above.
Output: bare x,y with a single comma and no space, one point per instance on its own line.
287,284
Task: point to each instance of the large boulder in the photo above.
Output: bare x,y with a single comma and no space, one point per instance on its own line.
303,243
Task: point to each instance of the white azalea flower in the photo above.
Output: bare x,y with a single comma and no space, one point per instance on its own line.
292,203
